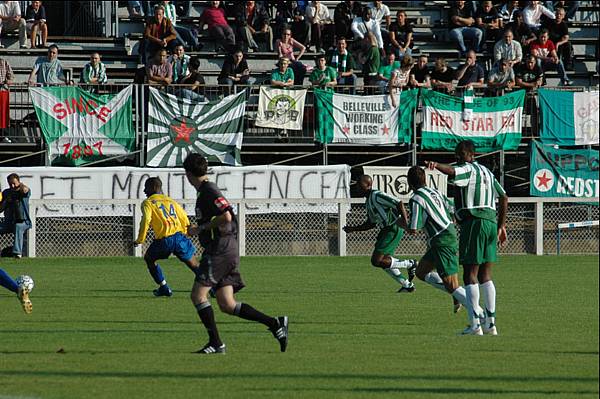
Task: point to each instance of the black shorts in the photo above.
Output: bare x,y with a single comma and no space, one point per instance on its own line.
221,268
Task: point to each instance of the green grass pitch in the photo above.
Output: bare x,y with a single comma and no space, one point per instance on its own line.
96,331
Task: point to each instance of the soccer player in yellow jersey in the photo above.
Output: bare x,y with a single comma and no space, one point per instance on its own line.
169,222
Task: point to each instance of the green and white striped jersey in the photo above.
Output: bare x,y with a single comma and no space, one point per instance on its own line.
381,208
478,191
431,210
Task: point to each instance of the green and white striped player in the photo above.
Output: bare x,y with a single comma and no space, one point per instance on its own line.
432,211
383,212
481,230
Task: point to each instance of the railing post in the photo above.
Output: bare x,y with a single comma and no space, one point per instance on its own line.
32,233
137,218
342,211
539,227
242,228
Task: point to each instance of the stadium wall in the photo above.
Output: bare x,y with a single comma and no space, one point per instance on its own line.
293,227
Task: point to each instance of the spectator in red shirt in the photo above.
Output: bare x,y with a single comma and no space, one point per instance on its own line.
218,28
544,51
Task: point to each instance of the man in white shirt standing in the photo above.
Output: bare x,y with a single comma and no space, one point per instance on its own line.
365,24
10,20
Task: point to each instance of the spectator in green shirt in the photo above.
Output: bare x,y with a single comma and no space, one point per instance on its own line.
282,76
385,72
323,76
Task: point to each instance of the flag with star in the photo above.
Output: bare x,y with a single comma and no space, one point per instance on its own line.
556,172
179,126
343,118
82,127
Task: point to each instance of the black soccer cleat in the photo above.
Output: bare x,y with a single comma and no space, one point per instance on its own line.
412,270
281,332
210,349
163,290
407,290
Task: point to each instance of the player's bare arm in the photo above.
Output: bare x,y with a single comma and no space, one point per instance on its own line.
402,221
502,211
442,167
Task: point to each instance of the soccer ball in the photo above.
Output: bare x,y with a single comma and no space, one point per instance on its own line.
26,282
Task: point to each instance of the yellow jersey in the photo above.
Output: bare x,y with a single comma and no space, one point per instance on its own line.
165,215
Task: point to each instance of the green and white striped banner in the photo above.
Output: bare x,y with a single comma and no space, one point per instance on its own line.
178,126
492,123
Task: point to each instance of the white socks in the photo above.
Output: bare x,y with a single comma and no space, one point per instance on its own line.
461,296
400,264
472,291
488,290
434,280
397,276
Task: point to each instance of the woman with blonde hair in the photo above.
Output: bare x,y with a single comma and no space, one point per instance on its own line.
400,78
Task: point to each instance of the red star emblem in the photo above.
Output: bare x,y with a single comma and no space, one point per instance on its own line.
543,180
386,130
183,132
346,130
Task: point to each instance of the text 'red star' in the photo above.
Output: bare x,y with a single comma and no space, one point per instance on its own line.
183,132
543,180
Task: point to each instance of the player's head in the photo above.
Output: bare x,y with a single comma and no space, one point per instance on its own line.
465,151
152,186
14,181
196,166
416,178
365,184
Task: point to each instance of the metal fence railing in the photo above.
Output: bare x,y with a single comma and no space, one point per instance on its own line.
293,228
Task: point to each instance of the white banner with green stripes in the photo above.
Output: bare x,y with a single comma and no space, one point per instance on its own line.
492,123
179,126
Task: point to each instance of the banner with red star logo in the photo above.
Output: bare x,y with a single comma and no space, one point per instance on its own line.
179,126
563,173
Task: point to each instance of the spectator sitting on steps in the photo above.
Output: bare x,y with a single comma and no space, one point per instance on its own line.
10,20
94,72
159,72
35,16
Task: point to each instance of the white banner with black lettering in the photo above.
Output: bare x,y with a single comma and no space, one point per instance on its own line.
236,183
392,180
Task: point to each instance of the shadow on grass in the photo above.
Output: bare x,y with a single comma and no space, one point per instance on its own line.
313,376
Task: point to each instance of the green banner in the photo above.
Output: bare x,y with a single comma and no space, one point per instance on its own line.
492,123
178,126
343,118
563,173
81,127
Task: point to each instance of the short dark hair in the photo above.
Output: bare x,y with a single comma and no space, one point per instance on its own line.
195,63
464,148
416,177
154,183
53,46
196,164
13,176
